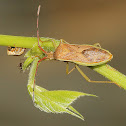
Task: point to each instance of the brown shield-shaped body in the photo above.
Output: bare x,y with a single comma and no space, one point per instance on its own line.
87,55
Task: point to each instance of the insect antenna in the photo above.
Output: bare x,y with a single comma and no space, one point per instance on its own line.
40,48
38,29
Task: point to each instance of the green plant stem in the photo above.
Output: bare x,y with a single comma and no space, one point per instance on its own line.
111,73
28,42
17,41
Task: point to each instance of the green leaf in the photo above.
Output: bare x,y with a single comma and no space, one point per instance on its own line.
32,54
56,101
34,51
53,101
64,97
27,63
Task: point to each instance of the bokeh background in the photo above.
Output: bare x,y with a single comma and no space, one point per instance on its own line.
80,22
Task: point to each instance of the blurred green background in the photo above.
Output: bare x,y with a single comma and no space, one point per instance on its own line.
79,22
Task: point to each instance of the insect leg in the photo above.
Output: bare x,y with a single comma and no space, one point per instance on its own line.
54,44
35,76
85,76
67,69
63,41
97,45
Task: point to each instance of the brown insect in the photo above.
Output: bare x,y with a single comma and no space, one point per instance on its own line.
86,55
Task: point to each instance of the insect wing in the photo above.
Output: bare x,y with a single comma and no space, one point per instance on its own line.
86,55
